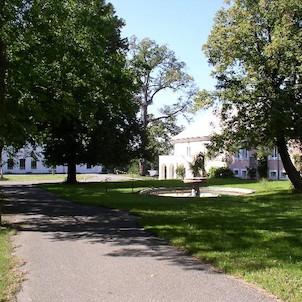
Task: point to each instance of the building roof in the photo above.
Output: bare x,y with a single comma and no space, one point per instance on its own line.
201,130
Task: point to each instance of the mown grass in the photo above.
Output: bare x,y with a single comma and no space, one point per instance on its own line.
30,177
257,237
8,275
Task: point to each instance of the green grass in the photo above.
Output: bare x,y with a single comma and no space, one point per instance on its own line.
9,278
257,237
30,177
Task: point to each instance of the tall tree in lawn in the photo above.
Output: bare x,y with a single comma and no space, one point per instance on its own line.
156,69
75,62
256,50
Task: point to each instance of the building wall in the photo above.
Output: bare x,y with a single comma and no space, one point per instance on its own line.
184,153
24,163
242,160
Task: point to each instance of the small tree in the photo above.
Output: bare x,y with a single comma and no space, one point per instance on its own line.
181,171
197,166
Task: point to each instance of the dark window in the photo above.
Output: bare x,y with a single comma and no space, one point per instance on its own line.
10,164
22,164
33,164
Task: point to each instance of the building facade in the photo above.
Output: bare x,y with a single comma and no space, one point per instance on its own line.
195,139
28,161
187,145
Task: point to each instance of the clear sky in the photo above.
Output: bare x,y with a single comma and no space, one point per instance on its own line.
183,25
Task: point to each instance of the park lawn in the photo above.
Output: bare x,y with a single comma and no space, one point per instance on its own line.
30,177
257,237
9,278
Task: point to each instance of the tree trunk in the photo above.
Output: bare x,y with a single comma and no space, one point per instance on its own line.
1,160
292,173
143,167
71,173
2,86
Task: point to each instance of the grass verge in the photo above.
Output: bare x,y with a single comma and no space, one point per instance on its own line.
257,237
9,278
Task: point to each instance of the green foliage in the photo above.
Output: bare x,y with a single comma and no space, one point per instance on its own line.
220,172
197,166
252,172
71,79
255,49
297,158
262,167
238,234
156,69
180,171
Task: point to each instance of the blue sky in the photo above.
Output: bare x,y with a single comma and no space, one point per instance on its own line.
183,25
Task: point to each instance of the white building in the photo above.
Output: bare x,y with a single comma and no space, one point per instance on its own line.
26,161
187,145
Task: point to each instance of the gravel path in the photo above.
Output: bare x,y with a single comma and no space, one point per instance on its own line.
77,253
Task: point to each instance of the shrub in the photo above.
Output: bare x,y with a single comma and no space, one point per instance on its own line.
181,171
220,172
252,173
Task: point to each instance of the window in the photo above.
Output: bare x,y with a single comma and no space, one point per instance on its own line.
283,175
10,164
241,154
244,173
274,153
22,164
188,151
237,154
236,172
33,164
273,174
244,153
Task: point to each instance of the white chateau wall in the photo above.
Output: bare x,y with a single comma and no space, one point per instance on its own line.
184,153
25,155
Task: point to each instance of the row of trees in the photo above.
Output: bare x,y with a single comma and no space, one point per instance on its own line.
66,83
256,51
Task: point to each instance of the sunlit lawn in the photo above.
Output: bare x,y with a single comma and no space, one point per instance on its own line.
257,237
34,177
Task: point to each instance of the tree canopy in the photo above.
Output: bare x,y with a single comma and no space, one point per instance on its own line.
156,69
67,69
256,50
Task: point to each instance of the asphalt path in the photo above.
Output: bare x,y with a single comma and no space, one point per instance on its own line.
76,253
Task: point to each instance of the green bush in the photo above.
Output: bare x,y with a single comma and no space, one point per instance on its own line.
252,172
181,171
220,172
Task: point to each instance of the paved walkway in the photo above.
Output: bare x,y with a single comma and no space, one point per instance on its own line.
77,253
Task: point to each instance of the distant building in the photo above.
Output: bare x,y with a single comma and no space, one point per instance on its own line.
28,161
187,145
244,159
194,140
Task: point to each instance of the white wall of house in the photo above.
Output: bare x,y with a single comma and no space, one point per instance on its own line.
184,153
24,163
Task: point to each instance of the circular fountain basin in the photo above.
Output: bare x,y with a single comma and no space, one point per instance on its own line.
204,192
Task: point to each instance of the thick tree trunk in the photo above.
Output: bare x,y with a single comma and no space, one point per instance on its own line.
71,173
292,173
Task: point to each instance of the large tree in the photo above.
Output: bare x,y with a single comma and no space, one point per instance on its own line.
256,50
67,69
14,121
156,69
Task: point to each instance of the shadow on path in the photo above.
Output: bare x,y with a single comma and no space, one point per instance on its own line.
35,210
